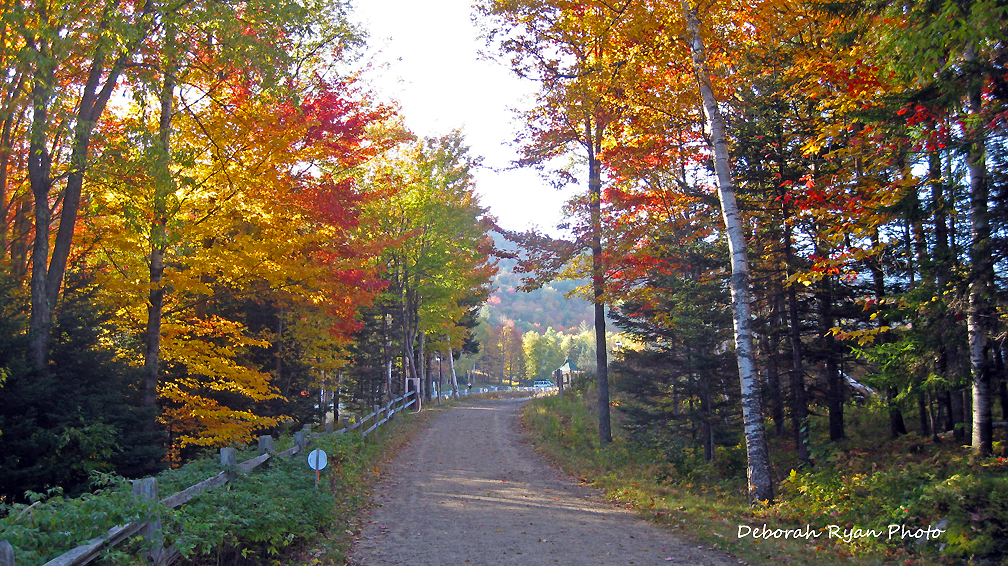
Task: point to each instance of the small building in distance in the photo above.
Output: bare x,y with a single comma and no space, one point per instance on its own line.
563,374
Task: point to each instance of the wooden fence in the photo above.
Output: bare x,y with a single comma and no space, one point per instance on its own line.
146,488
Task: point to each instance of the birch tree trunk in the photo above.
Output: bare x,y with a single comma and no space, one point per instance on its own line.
425,369
760,482
981,313
454,379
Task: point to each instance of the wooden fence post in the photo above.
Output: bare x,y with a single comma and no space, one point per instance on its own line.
228,461
266,444
300,440
6,553
377,419
147,490
329,427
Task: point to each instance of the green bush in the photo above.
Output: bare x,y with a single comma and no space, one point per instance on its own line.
53,524
976,508
263,512
257,515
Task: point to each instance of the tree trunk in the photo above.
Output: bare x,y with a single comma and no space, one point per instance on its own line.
598,284
409,337
5,157
958,413
163,186
1002,387
896,425
336,399
981,314
454,378
922,415
945,402
760,482
40,179
424,369
593,131
48,272
387,354
773,359
1003,395
20,242
799,402
834,383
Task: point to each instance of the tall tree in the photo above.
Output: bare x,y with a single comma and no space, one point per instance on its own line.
951,48
58,40
438,268
568,47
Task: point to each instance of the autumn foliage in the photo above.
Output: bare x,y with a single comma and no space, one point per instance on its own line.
865,144
230,238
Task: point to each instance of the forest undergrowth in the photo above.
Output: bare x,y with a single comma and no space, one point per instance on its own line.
861,486
272,515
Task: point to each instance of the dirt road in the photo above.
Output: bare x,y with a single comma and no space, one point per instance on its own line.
468,491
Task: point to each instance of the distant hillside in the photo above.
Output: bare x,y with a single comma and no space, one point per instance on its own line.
536,310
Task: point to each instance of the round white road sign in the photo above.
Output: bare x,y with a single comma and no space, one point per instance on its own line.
317,459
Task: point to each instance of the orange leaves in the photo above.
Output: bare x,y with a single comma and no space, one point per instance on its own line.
266,207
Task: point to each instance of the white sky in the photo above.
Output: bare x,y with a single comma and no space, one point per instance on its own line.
426,57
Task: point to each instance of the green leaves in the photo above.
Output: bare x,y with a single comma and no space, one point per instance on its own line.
53,524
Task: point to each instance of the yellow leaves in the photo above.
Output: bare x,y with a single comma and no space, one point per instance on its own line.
862,337
212,349
196,420
806,278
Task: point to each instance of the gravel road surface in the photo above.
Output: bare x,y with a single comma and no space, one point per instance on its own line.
469,491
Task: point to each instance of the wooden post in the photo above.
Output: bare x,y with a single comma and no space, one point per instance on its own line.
300,441
147,490
6,553
329,427
558,375
266,444
228,461
377,419
415,383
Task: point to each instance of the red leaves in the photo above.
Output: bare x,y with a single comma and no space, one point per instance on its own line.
921,114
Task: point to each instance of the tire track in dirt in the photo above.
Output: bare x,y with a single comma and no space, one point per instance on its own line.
468,491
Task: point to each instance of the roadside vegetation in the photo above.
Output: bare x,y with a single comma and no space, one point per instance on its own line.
266,516
857,483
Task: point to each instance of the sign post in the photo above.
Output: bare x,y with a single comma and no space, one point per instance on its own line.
316,461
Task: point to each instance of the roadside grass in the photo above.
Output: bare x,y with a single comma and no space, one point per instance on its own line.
271,516
867,482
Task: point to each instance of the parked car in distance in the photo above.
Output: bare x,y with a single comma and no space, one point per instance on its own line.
543,383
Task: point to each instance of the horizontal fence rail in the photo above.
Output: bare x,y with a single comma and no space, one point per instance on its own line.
147,489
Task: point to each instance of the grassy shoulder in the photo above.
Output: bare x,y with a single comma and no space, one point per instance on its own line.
859,487
270,516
